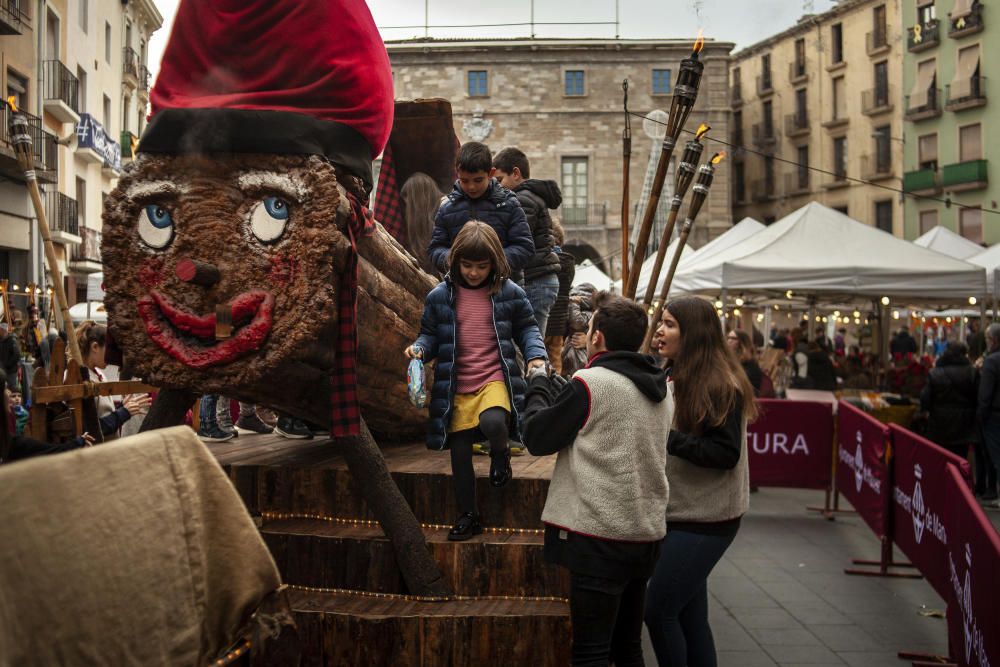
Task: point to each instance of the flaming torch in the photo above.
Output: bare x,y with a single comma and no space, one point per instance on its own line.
685,94
685,174
21,139
706,173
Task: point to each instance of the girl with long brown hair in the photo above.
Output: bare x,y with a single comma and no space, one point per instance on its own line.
473,323
421,199
708,475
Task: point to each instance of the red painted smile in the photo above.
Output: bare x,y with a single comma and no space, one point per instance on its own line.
190,338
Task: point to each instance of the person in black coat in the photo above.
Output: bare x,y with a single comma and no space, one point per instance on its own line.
819,368
949,398
988,408
10,355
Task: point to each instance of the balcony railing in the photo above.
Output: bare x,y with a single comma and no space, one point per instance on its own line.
762,189
796,124
876,166
922,181
61,84
43,144
969,175
62,213
144,77
877,100
976,97
797,72
90,249
127,138
14,16
763,134
130,63
588,214
929,109
797,182
967,25
923,36
877,41
765,85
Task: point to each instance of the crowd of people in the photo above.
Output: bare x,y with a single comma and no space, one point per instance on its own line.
651,476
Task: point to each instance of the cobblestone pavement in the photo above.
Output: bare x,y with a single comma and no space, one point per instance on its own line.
780,595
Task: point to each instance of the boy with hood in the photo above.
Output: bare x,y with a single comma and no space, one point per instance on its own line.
541,273
606,508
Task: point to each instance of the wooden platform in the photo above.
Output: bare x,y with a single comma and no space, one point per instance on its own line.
287,481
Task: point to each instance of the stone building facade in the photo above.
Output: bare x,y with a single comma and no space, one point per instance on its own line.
560,101
824,93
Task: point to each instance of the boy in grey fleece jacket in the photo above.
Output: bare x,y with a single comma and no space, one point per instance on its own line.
606,509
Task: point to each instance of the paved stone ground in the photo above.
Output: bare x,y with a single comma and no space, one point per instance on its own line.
780,595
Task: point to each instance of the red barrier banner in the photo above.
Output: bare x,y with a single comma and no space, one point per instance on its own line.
790,444
862,472
974,570
919,500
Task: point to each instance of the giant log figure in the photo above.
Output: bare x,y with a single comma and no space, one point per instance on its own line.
238,247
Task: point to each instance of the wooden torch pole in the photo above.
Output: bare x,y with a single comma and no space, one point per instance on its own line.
21,138
626,163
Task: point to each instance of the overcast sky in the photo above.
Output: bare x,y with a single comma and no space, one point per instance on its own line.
725,20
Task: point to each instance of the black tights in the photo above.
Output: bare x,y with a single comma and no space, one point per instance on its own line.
492,427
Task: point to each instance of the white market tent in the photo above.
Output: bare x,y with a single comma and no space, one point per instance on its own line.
947,242
587,272
989,259
817,250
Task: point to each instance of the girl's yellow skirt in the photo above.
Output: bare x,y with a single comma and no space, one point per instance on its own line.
466,408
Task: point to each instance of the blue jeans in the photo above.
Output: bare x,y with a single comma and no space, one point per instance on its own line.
542,295
677,599
206,413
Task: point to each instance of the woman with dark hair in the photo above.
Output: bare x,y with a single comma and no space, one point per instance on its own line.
421,198
949,398
740,342
708,475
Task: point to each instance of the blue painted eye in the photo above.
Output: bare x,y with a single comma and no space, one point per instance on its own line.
268,218
276,208
156,226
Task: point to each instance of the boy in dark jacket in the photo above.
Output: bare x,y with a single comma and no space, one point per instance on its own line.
605,513
478,196
541,274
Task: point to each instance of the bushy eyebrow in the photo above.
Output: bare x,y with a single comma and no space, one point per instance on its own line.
272,180
143,189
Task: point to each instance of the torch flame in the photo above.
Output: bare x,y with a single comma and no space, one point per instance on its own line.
699,43
718,157
702,131
12,103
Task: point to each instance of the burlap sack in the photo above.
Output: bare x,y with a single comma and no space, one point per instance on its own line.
137,552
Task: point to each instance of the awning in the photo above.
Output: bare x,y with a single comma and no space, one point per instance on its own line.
961,8
925,79
968,63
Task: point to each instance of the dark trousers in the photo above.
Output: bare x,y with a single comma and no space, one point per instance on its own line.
677,599
991,440
493,428
986,473
607,620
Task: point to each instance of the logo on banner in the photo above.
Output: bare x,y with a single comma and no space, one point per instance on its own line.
863,475
778,443
923,518
974,643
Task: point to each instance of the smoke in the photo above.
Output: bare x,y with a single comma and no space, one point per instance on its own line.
697,6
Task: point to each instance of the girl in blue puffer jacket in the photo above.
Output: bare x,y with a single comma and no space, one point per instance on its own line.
470,325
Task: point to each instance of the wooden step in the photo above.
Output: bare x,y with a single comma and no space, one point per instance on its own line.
351,630
310,478
323,554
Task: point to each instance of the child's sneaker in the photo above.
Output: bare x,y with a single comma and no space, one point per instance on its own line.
290,427
517,449
482,448
252,424
214,434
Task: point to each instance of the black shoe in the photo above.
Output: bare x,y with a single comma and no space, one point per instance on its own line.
213,433
316,429
500,472
252,424
289,427
466,526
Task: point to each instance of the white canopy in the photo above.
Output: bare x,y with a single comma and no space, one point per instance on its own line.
79,312
949,243
586,272
989,259
819,250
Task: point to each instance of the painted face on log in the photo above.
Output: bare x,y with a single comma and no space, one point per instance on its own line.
225,268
